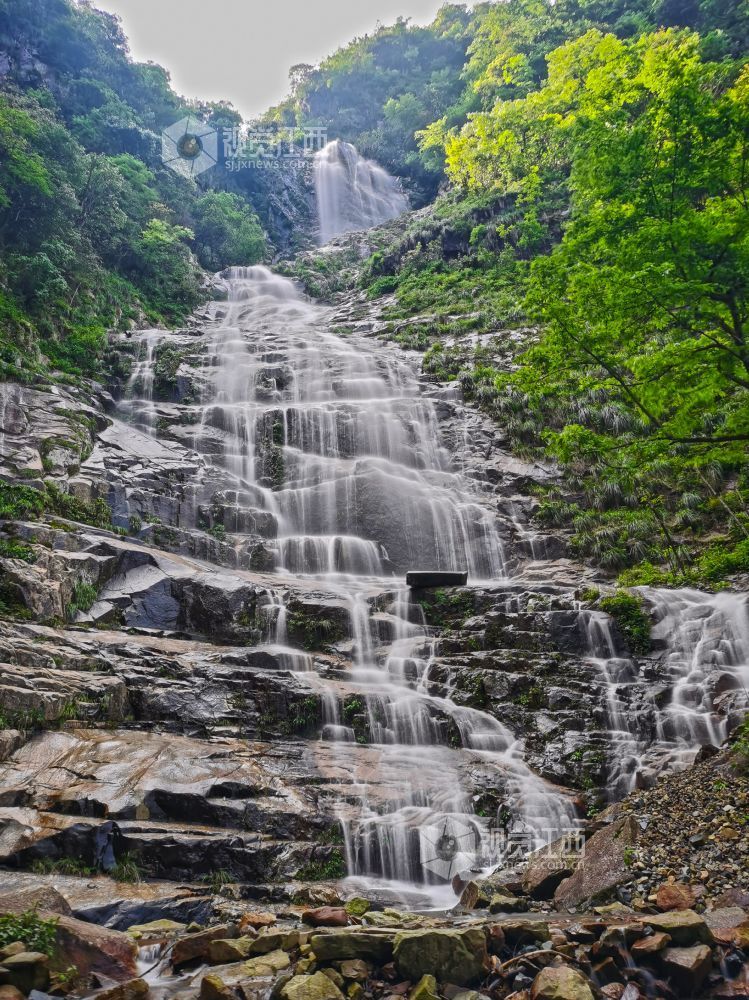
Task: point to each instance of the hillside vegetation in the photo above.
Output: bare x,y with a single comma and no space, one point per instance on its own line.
578,259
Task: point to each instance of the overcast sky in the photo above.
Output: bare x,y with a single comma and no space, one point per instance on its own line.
241,50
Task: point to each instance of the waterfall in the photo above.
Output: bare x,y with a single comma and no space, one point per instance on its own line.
323,450
353,194
689,693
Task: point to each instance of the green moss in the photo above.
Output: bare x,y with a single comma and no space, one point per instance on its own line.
629,613
334,867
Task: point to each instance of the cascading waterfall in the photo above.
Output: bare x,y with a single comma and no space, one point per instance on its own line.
328,442
353,193
322,451
662,710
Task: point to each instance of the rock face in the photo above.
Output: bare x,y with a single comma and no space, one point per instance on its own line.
176,707
453,955
603,866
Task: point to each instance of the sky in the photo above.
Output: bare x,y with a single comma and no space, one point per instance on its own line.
241,50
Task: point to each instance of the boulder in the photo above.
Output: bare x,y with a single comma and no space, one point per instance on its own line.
226,950
675,896
212,987
452,955
687,968
647,946
547,868
133,989
500,903
602,867
684,926
273,940
355,970
371,945
266,965
93,949
193,946
9,992
561,983
425,989
357,906
524,931
326,916
45,897
314,987
26,970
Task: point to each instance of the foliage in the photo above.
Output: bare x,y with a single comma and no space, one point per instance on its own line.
36,933
630,616
334,867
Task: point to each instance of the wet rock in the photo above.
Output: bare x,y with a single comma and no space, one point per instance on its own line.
326,916
256,920
675,896
315,987
154,930
547,868
226,950
270,939
452,955
603,866
687,968
266,965
96,950
26,970
685,927
133,989
561,983
212,987
357,906
371,945
425,989
647,946
525,931
193,946
500,903
355,970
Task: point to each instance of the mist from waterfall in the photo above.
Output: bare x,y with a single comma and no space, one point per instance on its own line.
353,193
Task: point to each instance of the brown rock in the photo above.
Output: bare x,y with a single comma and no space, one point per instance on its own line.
613,991
131,990
226,950
9,992
94,949
212,987
274,940
44,897
732,897
685,927
651,945
355,969
603,865
27,970
326,916
560,982
470,895
687,968
256,920
14,948
547,867
192,946
675,896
